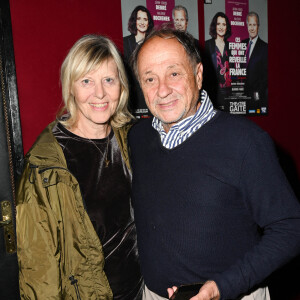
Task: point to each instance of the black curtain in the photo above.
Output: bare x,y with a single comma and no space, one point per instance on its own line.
11,156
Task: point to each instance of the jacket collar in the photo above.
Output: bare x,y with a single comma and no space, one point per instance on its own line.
47,152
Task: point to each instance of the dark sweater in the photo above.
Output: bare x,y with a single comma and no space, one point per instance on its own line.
216,207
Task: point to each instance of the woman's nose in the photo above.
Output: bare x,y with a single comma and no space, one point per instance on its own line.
99,90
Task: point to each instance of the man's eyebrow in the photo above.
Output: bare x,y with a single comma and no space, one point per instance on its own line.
148,72
169,67
173,66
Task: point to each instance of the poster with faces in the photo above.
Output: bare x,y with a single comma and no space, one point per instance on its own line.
236,55
139,17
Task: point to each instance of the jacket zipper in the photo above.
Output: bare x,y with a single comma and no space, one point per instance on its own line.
32,167
74,283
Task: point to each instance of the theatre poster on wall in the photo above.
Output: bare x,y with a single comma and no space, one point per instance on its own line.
236,55
138,19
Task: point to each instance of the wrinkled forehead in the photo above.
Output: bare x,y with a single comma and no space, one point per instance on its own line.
157,45
158,50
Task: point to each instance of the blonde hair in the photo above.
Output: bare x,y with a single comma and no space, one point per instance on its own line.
86,55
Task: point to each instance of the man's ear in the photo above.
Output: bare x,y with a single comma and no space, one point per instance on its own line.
199,75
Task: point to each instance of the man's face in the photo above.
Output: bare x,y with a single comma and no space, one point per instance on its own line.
180,22
252,27
169,81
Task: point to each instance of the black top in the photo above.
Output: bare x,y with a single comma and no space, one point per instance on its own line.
217,80
129,44
106,193
217,207
137,101
256,85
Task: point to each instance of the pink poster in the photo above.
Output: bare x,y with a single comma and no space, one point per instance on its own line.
236,55
237,12
161,11
139,18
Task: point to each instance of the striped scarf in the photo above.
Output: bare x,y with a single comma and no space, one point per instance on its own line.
182,130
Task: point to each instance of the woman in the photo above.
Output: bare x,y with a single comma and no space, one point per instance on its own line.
217,49
75,230
140,24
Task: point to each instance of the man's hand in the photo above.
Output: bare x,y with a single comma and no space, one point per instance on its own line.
209,291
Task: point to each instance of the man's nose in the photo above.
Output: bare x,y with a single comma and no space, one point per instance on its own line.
163,89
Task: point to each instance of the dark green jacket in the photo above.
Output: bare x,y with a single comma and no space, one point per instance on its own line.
59,252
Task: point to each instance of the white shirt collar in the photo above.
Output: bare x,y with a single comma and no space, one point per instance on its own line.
179,132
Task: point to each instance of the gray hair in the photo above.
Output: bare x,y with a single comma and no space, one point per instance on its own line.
184,38
253,14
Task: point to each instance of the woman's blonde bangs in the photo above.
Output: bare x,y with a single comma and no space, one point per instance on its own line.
86,55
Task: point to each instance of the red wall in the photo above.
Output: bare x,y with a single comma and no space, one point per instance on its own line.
43,31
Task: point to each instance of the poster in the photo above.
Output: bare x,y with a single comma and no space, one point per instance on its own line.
139,17
236,55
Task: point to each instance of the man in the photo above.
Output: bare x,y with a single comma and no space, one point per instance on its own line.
181,19
211,203
256,85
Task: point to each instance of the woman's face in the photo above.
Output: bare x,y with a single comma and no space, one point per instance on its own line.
142,22
221,27
97,94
